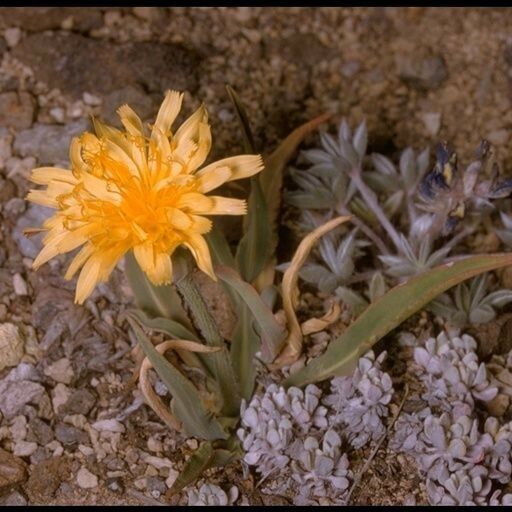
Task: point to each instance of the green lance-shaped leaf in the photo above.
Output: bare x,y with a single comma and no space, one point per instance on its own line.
187,403
271,178
389,312
205,457
165,325
254,248
271,333
243,119
219,362
219,248
245,342
155,301
175,331
196,465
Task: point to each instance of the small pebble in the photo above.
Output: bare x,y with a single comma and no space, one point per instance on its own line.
60,371
12,36
108,426
91,99
19,285
24,448
85,479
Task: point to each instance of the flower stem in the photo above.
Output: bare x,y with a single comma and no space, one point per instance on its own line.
370,199
367,230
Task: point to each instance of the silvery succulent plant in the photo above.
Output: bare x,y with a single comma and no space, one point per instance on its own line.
463,487
499,457
453,377
270,422
469,303
320,468
359,403
408,427
465,462
450,444
211,495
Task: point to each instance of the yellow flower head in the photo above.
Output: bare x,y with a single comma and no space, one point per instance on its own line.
128,190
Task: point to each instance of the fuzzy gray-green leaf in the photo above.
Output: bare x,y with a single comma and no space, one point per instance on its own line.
271,333
389,312
187,403
254,249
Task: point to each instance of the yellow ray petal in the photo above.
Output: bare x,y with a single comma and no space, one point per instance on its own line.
88,279
157,266
131,121
199,249
201,225
193,138
82,256
48,252
42,198
168,112
75,154
195,202
204,144
221,206
179,219
242,166
214,179
43,175
118,154
99,188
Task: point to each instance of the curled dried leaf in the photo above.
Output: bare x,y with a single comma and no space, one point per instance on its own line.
290,291
146,388
314,325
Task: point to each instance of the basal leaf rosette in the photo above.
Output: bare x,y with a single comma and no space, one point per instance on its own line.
137,189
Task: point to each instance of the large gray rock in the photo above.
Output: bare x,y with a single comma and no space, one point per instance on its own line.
49,143
76,64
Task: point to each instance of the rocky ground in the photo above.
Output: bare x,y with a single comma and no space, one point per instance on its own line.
72,429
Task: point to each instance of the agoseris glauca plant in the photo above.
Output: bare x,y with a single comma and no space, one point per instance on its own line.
130,190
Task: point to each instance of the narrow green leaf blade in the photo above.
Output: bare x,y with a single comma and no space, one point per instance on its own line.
165,325
245,342
271,178
219,247
254,247
188,406
208,455
249,145
271,333
195,466
389,312
218,362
